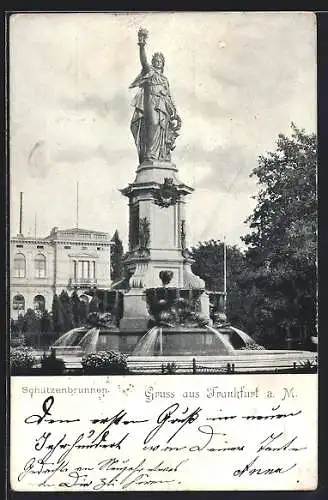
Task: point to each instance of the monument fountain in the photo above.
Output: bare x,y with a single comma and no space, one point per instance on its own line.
160,309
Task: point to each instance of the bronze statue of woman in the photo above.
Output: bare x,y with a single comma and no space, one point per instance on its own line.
155,122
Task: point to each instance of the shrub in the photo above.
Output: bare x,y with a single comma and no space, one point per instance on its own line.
21,358
99,319
52,364
169,369
110,362
252,346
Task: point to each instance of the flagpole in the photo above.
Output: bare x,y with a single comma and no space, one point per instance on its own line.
77,205
225,273
21,214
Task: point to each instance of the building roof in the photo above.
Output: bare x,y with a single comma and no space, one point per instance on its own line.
71,233
78,234
78,230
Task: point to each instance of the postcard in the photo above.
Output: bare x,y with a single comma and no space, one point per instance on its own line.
163,283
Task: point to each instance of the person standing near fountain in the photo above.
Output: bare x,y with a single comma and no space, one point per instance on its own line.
155,122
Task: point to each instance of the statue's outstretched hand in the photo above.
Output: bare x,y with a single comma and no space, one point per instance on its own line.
142,36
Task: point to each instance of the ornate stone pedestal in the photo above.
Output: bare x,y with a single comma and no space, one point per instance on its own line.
157,237
157,226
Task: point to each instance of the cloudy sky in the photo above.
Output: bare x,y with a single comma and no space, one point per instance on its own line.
238,80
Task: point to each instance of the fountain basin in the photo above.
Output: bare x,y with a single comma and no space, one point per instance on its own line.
191,350
178,340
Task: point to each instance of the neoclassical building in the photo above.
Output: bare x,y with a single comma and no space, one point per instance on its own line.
64,260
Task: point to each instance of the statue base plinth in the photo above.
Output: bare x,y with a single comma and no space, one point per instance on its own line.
155,171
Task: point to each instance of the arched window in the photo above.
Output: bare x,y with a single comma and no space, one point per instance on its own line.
19,304
40,266
39,302
19,265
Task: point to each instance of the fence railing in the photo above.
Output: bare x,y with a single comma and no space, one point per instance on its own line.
192,366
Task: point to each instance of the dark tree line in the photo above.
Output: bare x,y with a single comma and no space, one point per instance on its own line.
67,312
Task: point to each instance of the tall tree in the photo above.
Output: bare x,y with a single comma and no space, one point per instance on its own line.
75,301
46,322
83,311
67,309
116,256
31,323
58,315
282,243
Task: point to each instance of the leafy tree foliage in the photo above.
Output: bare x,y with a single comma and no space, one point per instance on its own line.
281,253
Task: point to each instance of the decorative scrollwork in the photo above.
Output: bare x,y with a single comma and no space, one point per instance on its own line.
167,194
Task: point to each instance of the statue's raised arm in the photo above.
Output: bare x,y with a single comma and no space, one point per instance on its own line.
142,37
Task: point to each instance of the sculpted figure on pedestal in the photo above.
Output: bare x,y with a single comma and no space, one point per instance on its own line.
155,122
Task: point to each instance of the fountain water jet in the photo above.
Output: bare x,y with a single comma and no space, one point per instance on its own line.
227,345
90,340
147,344
70,338
77,341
